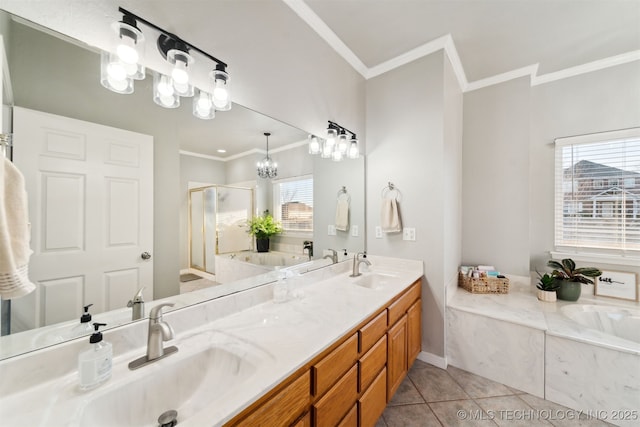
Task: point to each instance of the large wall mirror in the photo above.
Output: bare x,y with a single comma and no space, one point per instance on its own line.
54,79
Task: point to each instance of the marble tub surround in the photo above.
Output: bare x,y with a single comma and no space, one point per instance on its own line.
284,337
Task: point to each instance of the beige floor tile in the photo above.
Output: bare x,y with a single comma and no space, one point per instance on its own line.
461,413
410,416
511,411
435,384
406,394
477,386
381,423
561,416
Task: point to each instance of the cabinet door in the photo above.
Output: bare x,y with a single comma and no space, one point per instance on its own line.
373,401
396,355
414,331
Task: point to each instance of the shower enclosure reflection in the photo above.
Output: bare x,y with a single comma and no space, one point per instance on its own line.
218,218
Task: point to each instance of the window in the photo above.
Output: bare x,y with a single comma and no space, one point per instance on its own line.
293,203
596,200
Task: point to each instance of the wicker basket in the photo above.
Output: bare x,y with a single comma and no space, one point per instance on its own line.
484,285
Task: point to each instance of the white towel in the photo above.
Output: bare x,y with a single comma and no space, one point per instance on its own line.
14,234
389,216
342,214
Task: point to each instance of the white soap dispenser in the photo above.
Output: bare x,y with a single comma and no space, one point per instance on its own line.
94,364
84,328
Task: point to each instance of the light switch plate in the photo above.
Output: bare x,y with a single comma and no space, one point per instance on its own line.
355,231
378,232
332,230
409,233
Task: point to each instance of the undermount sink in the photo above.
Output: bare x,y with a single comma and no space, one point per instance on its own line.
185,384
375,280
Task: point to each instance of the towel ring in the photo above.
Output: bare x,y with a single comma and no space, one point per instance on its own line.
390,190
343,192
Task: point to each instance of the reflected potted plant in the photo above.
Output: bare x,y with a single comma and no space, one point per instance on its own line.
570,278
547,287
263,227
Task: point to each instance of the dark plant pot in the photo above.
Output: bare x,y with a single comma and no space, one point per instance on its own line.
569,291
262,245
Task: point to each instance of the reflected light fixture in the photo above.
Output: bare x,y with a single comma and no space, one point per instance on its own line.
267,168
121,65
337,145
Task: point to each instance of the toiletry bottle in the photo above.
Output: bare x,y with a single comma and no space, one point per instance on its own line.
84,328
94,364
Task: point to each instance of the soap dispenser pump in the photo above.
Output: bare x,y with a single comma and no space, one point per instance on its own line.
84,328
94,364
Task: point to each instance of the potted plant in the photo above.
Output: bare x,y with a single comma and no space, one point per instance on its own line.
547,287
570,278
263,227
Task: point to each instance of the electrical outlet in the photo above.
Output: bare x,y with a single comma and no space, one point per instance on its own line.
355,231
378,232
409,233
332,230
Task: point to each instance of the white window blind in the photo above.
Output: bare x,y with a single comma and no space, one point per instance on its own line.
597,193
293,203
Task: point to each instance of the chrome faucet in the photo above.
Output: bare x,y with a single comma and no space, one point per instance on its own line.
137,305
159,331
333,257
357,260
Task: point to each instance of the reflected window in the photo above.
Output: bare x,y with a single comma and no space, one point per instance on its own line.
293,203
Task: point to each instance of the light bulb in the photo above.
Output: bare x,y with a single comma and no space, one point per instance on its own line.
354,151
165,88
179,73
116,71
126,50
336,156
204,102
314,145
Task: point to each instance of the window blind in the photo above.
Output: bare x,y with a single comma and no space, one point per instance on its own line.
597,192
293,202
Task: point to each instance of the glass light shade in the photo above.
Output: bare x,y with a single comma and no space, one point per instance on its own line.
354,149
314,145
128,46
221,90
113,74
343,143
332,134
267,168
181,62
203,105
337,155
164,93
327,149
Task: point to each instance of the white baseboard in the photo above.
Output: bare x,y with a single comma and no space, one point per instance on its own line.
432,359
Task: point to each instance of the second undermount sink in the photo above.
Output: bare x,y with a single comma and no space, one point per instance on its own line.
374,280
186,384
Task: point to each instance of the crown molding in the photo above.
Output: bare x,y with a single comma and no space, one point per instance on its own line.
446,43
244,153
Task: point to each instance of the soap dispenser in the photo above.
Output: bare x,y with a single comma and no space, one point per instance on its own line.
84,328
94,364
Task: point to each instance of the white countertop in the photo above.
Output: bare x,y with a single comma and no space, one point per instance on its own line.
280,337
521,306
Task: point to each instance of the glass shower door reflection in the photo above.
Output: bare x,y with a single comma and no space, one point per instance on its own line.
235,206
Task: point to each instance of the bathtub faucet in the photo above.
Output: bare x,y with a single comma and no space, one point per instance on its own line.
308,246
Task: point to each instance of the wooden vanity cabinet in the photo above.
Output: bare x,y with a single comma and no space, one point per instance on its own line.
349,384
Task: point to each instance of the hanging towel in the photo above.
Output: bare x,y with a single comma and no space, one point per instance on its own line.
14,234
389,216
342,214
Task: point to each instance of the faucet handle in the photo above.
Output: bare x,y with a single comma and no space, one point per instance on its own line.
156,312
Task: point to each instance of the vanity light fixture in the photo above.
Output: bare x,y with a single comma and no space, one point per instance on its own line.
120,66
267,168
337,145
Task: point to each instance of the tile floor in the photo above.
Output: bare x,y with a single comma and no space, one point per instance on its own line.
431,396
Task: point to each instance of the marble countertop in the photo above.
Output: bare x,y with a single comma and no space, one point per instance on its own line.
521,306
282,337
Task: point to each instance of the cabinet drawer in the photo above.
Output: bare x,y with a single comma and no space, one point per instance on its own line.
332,407
372,331
351,419
372,362
336,363
398,308
373,401
304,421
283,408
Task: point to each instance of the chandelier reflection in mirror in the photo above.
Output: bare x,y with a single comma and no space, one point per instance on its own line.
267,168
337,145
121,65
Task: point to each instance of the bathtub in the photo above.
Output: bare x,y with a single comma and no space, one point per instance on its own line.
621,322
240,265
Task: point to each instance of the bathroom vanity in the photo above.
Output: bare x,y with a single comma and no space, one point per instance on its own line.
334,354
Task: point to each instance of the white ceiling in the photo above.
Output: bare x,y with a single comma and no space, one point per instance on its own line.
490,36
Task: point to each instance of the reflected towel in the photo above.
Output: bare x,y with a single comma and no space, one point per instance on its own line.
14,234
389,216
342,214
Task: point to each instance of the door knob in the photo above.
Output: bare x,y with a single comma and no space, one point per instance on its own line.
145,255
